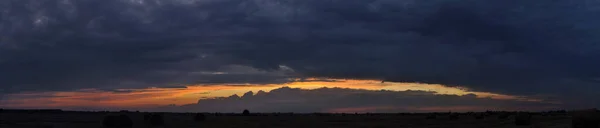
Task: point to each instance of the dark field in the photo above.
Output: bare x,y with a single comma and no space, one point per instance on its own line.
186,120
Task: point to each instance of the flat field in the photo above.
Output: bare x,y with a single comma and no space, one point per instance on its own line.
185,120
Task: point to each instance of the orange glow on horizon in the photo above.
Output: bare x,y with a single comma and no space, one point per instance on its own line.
361,109
153,97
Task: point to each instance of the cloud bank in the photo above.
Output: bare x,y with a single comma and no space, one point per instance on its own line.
545,49
287,99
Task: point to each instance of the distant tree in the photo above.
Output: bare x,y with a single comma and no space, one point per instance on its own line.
246,112
522,119
157,120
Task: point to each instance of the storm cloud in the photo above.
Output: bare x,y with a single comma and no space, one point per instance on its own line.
533,48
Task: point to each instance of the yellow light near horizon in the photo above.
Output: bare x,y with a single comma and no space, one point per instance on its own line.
191,94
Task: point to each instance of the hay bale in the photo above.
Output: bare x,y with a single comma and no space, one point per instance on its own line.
523,119
453,116
147,117
246,112
125,121
479,116
109,121
431,116
589,118
503,116
199,117
157,120
1,122
120,121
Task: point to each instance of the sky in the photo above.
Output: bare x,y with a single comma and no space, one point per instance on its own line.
300,55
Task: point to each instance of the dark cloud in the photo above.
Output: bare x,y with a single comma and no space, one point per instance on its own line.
66,45
330,99
315,80
176,87
506,46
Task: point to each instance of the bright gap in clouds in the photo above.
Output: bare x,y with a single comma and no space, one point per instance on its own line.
154,97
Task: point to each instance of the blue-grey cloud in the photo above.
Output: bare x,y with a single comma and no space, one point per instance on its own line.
547,48
333,99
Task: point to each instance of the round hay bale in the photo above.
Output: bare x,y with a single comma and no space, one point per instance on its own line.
157,120
125,121
120,121
479,116
109,121
199,117
503,116
589,118
431,116
523,119
453,116
147,117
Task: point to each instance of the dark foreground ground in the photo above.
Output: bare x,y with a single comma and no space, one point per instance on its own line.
185,120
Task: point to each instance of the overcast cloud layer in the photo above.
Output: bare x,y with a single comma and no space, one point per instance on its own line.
534,48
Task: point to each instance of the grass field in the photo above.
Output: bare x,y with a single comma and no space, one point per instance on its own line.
185,120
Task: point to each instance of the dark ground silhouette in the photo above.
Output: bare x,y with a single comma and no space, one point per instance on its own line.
246,119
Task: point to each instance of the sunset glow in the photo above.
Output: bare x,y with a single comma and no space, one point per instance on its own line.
153,97
299,55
